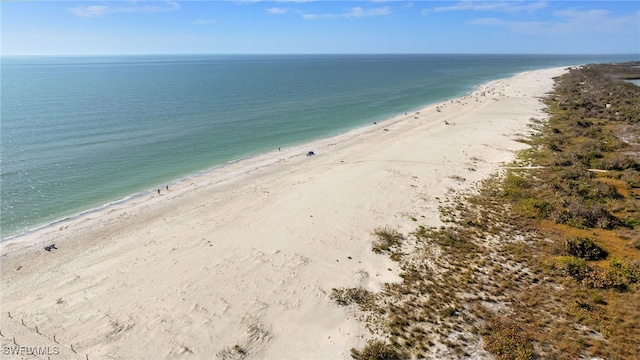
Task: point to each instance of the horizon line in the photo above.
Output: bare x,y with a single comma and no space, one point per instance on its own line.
319,53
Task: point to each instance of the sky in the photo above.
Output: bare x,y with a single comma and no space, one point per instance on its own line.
318,27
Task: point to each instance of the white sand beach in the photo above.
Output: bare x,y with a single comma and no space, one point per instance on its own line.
247,254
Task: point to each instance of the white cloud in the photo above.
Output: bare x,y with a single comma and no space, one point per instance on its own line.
102,10
353,13
569,22
90,11
276,11
359,12
251,2
501,6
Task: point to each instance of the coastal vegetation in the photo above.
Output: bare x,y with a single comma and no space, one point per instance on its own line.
544,263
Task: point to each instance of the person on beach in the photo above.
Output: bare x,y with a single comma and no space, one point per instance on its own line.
158,191
167,187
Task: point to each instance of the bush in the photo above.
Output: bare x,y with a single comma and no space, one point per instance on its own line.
508,340
534,208
600,278
575,267
600,190
564,159
387,239
619,162
619,276
378,350
631,177
588,149
577,213
622,268
350,295
514,185
585,248
575,173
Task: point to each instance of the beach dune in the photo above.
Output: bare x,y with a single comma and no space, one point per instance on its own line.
240,262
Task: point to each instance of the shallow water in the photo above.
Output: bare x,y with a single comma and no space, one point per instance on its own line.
80,132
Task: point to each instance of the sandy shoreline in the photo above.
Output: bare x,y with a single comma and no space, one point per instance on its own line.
247,255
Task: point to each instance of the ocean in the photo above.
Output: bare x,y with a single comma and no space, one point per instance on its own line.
77,133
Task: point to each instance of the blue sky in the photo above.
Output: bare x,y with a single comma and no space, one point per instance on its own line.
304,26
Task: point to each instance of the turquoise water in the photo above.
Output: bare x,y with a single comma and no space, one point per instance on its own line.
80,132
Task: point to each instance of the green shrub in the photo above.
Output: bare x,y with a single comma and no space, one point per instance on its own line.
386,240
631,223
347,296
534,208
514,184
599,190
574,173
619,162
621,267
562,159
378,350
588,150
631,177
585,248
600,278
508,340
576,212
573,266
